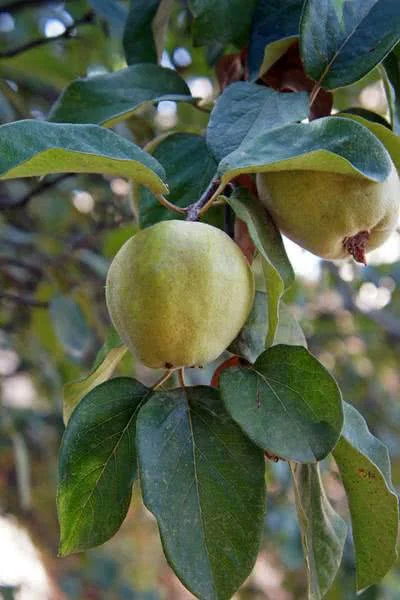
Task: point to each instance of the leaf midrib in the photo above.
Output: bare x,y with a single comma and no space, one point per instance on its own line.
112,453
345,41
196,480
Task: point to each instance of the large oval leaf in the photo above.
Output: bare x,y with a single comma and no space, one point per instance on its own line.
323,531
203,480
245,109
286,402
364,466
108,99
341,41
34,148
327,144
97,464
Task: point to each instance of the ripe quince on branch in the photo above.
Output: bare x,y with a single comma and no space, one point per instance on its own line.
330,214
178,293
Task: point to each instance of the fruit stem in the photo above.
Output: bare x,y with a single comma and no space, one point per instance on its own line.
181,377
206,199
169,205
163,379
215,195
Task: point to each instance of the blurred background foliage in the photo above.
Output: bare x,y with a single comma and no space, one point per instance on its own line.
57,237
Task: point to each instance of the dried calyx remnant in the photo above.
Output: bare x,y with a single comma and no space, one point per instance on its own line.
357,246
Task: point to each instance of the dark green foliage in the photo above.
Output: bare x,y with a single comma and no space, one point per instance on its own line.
117,143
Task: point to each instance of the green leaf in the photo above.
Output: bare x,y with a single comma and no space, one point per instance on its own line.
287,403
34,148
245,109
225,21
390,140
327,144
366,114
250,342
289,331
323,531
364,466
343,40
97,464
204,482
275,28
71,327
143,38
189,167
103,369
278,272
108,99
391,66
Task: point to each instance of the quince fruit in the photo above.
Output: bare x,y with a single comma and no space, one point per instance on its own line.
330,214
178,293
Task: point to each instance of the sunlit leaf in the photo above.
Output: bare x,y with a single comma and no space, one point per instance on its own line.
327,144
364,466
34,148
97,464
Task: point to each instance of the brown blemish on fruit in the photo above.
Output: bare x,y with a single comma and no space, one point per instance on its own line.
364,474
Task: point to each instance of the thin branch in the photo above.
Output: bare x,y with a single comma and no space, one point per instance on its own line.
23,300
86,19
181,377
38,189
163,379
195,209
169,205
